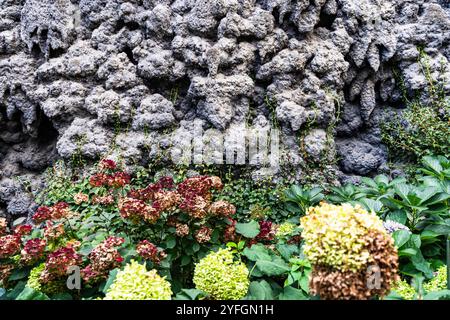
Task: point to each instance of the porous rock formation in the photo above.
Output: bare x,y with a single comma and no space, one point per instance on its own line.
81,76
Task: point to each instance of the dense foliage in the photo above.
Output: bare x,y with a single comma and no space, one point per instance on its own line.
145,237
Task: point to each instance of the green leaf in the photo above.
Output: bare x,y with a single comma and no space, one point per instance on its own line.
31,294
401,237
111,278
407,252
273,268
287,250
62,296
291,293
249,229
18,274
257,252
190,294
19,221
170,242
438,295
260,290
397,216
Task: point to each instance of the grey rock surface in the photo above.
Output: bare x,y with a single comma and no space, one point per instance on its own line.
130,77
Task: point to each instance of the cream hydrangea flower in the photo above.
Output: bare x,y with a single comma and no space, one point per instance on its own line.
134,282
221,276
335,235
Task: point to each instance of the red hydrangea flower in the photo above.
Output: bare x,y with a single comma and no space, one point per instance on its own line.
222,208
107,164
195,206
32,251
137,210
182,230
53,232
103,258
103,200
58,263
229,233
266,231
166,183
42,214
9,245
118,179
203,235
149,251
98,180
23,230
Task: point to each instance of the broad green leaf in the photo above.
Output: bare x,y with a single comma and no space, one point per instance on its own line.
438,295
249,229
257,252
31,294
273,268
260,290
111,278
291,293
408,252
401,237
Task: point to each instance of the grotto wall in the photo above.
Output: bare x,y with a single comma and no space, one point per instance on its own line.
130,78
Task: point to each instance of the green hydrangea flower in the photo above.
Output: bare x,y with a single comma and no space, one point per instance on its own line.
52,287
285,229
404,289
134,282
33,280
439,282
221,276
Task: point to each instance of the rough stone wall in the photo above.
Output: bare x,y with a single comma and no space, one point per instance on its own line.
80,76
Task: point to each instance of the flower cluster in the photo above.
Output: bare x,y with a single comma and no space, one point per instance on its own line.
197,194
23,230
392,226
33,251
342,243
115,180
149,193
221,276
285,230
50,287
137,210
107,164
266,231
103,200
58,263
53,232
149,251
439,281
5,272
166,200
134,282
57,211
80,198
9,245
404,290
222,208
3,226
229,234
203,235
181,230
103,258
